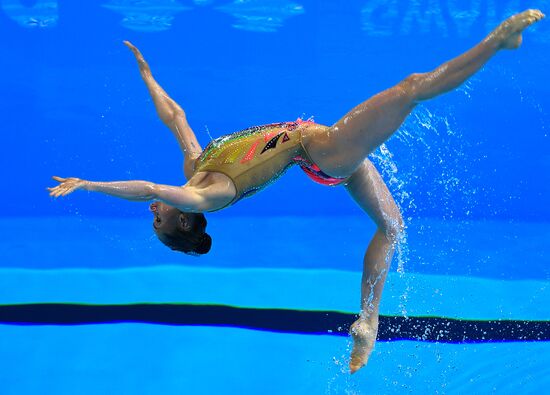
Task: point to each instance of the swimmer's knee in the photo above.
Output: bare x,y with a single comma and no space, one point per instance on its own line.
412,86
393,226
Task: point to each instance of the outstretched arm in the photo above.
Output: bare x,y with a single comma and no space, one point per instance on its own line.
185,198
171,114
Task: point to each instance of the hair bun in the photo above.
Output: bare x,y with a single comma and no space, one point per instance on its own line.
205,244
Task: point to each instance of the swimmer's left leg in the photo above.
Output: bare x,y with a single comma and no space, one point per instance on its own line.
369,191
341,149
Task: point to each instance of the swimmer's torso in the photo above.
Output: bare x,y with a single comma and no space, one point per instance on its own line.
255,157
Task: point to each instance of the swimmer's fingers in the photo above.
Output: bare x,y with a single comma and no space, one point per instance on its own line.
143,66
134,49
66,186
60,190
129,45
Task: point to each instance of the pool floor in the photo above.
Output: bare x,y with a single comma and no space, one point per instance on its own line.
105,262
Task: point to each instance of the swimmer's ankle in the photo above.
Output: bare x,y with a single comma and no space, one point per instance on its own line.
369,316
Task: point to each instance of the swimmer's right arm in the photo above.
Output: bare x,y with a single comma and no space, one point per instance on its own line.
184,198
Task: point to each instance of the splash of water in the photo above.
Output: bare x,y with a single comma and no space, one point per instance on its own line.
208,133
429,142
384,160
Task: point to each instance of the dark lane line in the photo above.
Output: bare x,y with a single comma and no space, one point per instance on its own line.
431,329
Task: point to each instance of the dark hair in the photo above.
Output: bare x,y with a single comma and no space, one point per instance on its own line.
193,242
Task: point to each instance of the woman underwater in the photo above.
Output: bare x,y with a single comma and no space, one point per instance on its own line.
238,165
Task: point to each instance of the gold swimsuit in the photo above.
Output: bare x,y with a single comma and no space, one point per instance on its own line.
258,156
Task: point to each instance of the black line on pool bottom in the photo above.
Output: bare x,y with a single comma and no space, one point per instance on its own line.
432,329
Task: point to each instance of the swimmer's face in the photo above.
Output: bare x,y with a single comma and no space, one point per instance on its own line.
167,219
185,232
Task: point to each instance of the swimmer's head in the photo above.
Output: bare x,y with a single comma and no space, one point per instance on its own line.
180,231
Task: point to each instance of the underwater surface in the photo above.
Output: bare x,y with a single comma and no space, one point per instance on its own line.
91,302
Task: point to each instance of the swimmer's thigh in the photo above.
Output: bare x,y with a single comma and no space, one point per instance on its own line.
369,191
343,147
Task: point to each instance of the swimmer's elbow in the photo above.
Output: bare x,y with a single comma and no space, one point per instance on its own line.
183,198
151,191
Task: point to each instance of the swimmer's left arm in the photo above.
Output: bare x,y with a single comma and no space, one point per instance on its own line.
171,114
184,198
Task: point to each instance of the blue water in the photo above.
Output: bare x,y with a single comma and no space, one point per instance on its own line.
468,169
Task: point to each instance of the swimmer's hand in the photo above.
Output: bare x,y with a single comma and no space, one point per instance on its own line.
143,66
66,186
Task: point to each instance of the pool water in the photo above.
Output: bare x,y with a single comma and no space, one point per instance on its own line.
166,324
91,302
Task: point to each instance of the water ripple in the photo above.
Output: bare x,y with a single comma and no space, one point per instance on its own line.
42,14
147,16
261,15
454,18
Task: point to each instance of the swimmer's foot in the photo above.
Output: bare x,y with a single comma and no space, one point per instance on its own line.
508,33
364,334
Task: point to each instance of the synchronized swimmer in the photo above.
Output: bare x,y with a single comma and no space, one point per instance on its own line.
238,165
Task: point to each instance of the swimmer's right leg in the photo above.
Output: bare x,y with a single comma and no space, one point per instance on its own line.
171,114
369,191
348,142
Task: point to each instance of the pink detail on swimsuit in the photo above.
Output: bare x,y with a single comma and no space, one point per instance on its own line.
293,125
316,174
269,136
250,154
285,138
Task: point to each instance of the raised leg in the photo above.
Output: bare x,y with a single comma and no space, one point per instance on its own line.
369,191
171,114
341,149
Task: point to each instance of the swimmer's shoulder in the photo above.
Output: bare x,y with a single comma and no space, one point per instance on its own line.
217,188
204,179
